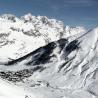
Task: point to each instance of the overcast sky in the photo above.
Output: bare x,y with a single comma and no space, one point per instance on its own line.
72,12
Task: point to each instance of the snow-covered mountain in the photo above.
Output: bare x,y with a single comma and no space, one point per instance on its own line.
45,59
26,34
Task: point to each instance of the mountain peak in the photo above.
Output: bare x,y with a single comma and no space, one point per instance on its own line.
9,17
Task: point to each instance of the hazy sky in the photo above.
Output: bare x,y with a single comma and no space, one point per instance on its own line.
72,12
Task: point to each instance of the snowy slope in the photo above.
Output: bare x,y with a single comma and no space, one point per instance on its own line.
8,90
73,73
61,69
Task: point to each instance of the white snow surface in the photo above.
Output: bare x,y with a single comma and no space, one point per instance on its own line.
8,90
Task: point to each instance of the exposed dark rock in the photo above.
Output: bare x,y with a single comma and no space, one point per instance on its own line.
72,46
62,43
19,75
